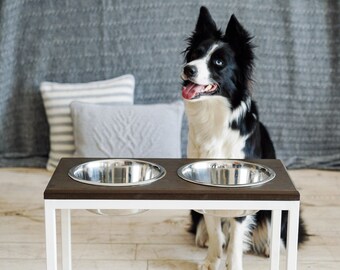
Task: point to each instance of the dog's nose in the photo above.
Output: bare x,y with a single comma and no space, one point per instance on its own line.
190,71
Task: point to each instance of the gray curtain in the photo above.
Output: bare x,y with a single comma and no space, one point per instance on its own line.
296,77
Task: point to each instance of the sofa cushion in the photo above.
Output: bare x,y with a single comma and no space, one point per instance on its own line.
142,131
57,98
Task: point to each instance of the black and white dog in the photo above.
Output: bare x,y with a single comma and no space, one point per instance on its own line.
224,123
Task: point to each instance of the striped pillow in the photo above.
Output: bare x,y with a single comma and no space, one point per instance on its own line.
57,98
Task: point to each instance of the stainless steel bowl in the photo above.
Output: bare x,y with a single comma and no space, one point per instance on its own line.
227,213
117,212
117,172
226,173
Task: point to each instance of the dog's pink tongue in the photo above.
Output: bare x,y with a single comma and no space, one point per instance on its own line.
191,90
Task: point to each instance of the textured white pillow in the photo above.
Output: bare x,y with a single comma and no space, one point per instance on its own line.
57,98
138,131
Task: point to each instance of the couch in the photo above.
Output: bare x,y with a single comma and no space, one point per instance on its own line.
296,80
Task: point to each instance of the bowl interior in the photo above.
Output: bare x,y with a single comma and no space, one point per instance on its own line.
226,173
117,172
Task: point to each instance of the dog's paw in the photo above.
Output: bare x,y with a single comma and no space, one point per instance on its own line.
202,241
229,266
202,238
208,265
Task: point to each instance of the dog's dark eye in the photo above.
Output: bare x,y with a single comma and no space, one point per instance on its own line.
197,53
193,56
218,62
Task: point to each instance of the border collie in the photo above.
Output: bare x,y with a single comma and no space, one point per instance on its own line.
224,123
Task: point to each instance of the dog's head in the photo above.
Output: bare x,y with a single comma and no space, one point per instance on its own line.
217,63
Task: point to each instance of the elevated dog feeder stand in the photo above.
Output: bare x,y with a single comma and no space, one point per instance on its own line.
170,192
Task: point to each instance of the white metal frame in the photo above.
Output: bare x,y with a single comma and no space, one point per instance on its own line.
67,205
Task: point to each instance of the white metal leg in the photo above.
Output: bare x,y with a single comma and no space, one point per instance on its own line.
66,239
292,237
51,237
67,205
275,240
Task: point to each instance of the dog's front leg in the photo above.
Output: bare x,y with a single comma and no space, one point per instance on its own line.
216,243
235,246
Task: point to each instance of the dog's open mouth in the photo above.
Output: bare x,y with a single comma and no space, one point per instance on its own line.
192,90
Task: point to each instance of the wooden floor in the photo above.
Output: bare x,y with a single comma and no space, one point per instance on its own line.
153,240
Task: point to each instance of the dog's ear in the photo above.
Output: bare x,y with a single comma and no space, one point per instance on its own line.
240,42
205,29
205,26
236,36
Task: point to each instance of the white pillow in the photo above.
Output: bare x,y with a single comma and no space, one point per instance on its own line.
57,98
138,131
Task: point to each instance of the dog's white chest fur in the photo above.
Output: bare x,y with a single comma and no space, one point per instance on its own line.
210,134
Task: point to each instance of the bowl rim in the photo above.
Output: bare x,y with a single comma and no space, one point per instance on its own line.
272,173
162,173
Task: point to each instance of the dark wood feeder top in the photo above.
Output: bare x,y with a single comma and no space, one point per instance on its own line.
171,186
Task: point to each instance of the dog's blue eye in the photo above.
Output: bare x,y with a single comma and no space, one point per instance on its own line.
218,62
